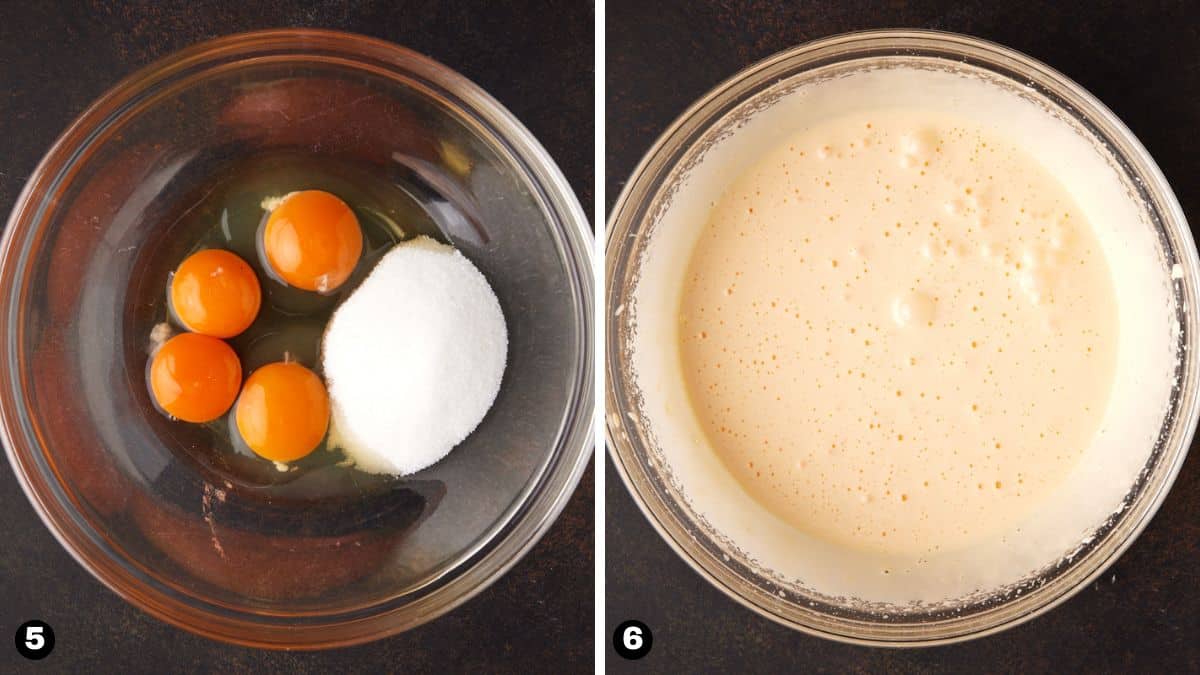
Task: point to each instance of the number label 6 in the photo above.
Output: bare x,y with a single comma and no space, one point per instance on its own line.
632,639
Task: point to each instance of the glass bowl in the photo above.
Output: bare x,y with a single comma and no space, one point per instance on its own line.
631,437
125,491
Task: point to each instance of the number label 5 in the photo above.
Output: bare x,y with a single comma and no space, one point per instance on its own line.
35,640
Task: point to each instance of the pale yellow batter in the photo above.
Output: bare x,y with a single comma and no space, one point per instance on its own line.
898,331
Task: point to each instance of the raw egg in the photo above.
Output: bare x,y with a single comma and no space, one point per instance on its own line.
312,241
283,411
195,377
215,292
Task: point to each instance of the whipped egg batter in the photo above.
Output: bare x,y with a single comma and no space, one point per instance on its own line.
898,331
900,334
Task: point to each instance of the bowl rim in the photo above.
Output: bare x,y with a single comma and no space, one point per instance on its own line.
641,185
524,523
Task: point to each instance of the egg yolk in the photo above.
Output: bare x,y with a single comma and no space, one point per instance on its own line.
312,241
215,292
195,377
283,411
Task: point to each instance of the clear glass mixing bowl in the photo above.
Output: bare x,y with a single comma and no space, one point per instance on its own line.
648,476
122,489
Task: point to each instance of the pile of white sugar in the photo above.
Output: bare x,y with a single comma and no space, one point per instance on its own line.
413,358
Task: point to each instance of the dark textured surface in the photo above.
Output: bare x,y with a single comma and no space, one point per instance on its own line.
1142,60
537,59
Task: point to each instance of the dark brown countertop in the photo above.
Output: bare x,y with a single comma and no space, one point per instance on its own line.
55,57
1142,60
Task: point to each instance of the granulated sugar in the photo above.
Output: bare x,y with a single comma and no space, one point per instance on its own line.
413,358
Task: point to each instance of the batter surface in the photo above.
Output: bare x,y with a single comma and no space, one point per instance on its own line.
898,331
